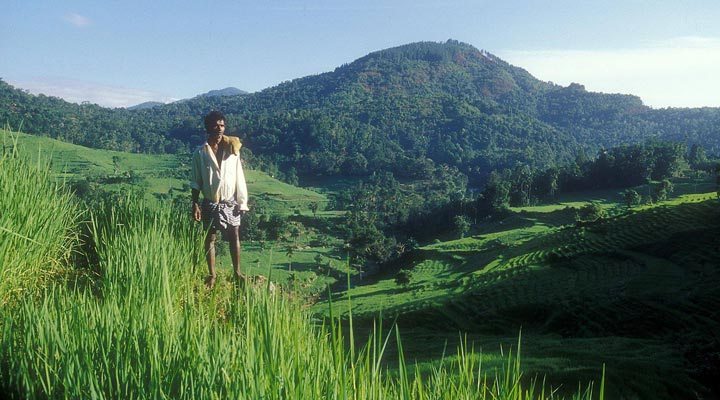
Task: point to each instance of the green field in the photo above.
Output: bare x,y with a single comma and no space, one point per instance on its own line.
636,290
163,174
162,171
121,312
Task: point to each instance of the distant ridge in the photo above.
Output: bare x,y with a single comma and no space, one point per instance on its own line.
146,105
228,91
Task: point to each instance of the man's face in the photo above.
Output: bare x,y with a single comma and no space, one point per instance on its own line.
215,131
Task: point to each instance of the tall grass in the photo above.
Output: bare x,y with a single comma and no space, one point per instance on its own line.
152,331
37,223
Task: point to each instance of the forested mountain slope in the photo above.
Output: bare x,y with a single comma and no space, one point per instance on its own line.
404,110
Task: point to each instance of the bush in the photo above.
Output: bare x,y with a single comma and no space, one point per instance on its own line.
403,277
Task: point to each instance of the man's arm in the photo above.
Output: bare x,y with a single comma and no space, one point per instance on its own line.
197,214
241,192
196,184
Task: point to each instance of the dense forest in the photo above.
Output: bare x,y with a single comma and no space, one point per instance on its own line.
386,219
407,110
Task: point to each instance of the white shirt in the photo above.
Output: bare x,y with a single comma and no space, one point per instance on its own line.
218,183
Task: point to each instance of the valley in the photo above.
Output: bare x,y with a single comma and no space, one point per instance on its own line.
633,290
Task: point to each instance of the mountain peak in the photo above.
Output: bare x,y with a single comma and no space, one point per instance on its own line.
449,51
145,105
228,91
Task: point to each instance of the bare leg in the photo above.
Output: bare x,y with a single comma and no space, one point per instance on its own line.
210,257
235,249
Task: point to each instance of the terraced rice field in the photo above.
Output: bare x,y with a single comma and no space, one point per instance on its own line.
161,171
548,263
639,290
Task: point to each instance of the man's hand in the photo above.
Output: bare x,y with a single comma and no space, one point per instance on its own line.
237,211
197,214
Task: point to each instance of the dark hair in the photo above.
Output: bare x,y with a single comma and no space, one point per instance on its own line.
212,118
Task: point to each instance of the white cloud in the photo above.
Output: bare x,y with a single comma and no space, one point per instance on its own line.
79,91
77,20
680,72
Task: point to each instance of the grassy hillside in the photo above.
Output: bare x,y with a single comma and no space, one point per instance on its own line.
132,321
634,290
637,290
163,172
164,177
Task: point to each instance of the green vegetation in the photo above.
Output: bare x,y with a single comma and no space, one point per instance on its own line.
277,208
36,242
451,191
156,174
591,273
404,110
542,267
133,321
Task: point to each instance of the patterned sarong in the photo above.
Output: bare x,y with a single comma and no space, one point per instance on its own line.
220,216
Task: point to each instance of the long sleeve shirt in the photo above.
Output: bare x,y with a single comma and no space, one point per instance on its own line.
218,182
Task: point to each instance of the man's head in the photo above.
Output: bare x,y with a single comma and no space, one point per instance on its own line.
215,123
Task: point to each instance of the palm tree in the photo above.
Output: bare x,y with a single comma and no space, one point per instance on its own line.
290,252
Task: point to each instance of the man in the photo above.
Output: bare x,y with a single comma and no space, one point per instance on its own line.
217,172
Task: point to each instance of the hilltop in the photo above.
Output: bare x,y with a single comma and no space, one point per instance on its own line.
145,105
228,91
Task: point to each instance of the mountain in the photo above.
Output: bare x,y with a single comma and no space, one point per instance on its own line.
228,91
422,104
407,110
147,104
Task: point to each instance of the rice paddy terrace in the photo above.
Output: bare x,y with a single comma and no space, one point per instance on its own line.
161,173
639,289
166,175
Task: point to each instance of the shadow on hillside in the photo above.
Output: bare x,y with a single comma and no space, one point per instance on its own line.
395,290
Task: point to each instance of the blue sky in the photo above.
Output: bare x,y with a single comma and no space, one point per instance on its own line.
120,53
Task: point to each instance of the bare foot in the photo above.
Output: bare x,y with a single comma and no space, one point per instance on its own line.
210,281
240,280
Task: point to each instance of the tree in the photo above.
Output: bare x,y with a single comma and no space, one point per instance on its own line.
549,182
462,225
277,226
662,190
697,157
631,197
116,164
717,179
591,212
520,192
295,232
669,160
291,177
601,172
290,252
497,191
314,208
319,264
